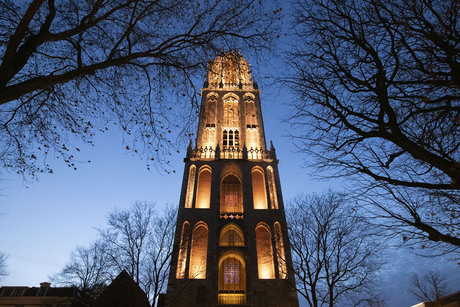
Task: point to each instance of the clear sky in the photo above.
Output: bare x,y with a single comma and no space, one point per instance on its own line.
42,222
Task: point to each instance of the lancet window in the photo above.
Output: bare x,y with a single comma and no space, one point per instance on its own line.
209,133
259,194
231,114
203,193
211,110
231,195
231,123
265,263
280,255
232,279
272,188
232,275
252,132
231,235
190,187
198,251
183,249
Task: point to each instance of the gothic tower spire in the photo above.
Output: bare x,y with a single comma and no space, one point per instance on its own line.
231,244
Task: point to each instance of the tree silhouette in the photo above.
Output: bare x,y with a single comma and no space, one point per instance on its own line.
71,68
429,288
335,254
3,265
138,240
378,86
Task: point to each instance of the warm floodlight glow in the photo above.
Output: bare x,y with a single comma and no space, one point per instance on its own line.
183,248
231,197
231,235
280,256
259,194
272,188
198,253
203,194
190,187
265,263
232,278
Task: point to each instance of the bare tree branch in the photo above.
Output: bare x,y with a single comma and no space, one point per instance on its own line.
72,68
378,102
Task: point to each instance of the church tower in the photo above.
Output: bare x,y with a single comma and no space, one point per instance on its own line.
231,245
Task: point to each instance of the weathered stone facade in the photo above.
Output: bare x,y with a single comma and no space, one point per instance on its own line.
231,245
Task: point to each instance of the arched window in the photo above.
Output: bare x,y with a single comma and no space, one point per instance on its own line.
231,122
265,263
199,252
231,114
252,127
272,188
232,279
280,255
190,187
211,108
259,194
231,235
209,133
203,193
231,195
183,248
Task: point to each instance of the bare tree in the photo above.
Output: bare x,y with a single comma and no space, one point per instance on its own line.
378,87
335,255
430,288
3,265
71,68
87,270
160,249
139,240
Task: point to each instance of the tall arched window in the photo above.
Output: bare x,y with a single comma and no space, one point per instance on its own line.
259,195
280,255
231,122
252,127
231,114
232,279
265,263
209,133
272,188
183,248
231,235
190,187
211,109
231,195
203,193
199,251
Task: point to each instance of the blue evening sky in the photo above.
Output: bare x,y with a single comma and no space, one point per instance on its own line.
42,222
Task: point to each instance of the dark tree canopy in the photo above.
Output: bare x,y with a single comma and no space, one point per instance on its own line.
378,83
70,68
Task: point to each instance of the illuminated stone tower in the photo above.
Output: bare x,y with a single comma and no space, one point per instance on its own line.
231,243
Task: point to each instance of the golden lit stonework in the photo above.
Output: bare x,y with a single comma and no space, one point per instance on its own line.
229,71
231,230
